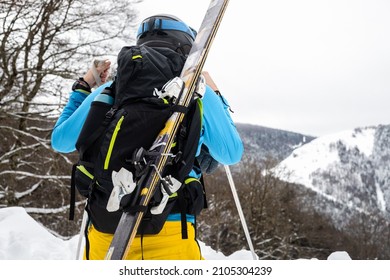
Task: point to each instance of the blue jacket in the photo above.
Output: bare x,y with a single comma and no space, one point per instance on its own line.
219,133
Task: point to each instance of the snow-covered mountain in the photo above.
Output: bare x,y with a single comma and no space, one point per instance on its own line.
349,171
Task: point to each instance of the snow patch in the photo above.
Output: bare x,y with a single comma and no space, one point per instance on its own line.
22,238
340,255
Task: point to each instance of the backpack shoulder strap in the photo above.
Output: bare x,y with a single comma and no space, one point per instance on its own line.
86,143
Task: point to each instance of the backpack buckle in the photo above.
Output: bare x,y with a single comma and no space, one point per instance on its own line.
111,112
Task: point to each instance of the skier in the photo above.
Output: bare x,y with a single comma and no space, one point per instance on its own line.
218,134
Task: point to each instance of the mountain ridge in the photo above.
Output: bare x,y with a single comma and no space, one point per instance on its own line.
348,170
261,142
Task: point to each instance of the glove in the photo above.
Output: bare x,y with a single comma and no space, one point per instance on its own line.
169,185
124,184
207,163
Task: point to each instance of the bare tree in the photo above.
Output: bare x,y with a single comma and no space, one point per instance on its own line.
44,45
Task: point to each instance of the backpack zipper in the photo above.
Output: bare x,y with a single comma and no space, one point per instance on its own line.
112,142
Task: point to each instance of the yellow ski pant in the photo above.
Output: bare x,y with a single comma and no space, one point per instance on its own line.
166,245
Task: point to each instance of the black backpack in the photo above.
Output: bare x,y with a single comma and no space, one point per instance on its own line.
113,134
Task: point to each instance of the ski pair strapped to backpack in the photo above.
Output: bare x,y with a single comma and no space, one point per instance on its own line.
161,148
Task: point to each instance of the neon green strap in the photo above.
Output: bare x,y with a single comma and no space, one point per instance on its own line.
112,142
85,171
187,181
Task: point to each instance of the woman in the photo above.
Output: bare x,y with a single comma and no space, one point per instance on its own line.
173,38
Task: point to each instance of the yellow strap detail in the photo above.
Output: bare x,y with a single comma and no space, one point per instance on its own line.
83,91
200,104
189,180
173,195
85,171
112,142
136,56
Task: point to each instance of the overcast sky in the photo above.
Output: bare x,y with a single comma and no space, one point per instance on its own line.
308,66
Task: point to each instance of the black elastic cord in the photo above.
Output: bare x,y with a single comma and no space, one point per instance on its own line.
179,108
72,193
183,213
87,245
142,246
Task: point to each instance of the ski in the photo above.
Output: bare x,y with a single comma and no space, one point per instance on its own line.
129,222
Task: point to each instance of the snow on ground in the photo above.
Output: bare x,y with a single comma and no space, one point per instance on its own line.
22,238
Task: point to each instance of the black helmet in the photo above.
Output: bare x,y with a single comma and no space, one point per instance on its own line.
166,31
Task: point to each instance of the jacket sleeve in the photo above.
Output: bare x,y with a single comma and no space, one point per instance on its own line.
219,133
68,126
